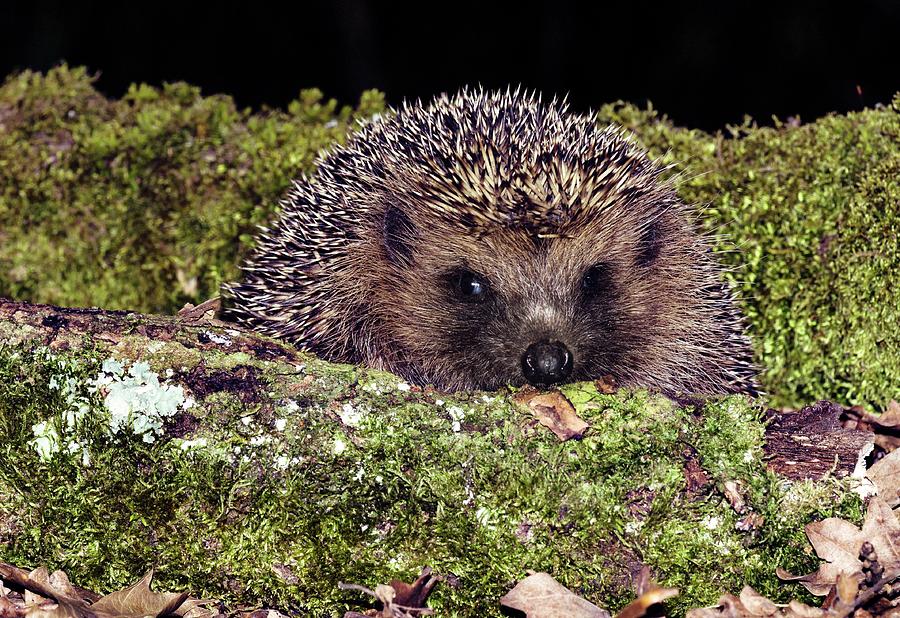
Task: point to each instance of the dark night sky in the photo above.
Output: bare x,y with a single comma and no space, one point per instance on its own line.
704,64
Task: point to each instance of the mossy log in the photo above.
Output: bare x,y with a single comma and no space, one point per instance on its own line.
243,469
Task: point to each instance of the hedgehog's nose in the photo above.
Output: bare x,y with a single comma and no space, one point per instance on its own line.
547,362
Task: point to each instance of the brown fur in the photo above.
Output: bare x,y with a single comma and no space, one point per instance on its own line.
527,196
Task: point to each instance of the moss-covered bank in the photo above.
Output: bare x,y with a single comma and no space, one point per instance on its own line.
143,203
148,202
259,475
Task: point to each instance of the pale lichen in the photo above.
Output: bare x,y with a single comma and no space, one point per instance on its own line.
137,401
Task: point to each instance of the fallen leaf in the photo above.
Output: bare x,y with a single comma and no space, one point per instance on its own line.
196,608
885,474
52,595
757,604
555,412
415,595
8,609
882,529
847,589
606,385
891,416
204,312
651,597
385,594
138,600
541,596
884,425
399,599
887,443
751,604
838,542
649,594
728,605
801,610
643,582
735,496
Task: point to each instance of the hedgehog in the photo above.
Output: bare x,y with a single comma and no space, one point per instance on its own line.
489,239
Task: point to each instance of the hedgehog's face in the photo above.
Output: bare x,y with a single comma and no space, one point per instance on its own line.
509,308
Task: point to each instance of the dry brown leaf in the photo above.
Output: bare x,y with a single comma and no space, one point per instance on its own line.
838,543
8,609
649,594
887,443
649,598
834,540
735,496
882,529
728,605
796,609
891,416
885,474
204,312
847,589
606,385
555,412
704,612
757,604
541,596
415,595
197,608
399,599
138,600
45,594
385,594
884,425
751,604
644,581
52,595
23,579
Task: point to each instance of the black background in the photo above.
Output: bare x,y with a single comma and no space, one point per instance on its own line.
704,64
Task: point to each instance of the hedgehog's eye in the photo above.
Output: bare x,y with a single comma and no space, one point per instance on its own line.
469,286
596,279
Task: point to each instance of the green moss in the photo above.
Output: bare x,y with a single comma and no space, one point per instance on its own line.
228,361
274,492
144,203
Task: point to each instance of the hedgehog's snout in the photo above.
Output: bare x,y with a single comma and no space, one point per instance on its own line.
547,362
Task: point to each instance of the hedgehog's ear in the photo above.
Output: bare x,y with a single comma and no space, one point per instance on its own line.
399,236
650,243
